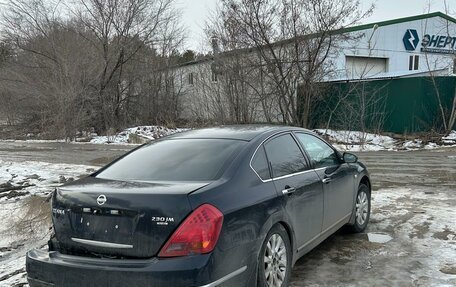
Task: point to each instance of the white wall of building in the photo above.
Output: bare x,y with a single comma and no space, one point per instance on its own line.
375,51
386,42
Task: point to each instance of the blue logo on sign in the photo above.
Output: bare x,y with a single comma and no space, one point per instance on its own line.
411,40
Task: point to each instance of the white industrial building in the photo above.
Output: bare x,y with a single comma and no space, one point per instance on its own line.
400,47
406,47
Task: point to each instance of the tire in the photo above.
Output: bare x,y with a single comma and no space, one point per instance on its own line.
274,266
362,209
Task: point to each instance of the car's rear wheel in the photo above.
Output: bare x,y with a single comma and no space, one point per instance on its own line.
362,209
274,268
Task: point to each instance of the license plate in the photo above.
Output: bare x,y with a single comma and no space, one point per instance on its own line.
104,228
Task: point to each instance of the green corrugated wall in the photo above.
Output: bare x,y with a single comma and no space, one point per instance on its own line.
410,104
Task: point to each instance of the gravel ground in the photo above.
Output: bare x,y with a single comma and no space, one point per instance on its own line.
411,240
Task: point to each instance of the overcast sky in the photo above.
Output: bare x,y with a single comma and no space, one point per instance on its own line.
195,12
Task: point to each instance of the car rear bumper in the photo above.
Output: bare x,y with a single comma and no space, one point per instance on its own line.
55,269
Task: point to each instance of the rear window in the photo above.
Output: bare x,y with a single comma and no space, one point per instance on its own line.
175,160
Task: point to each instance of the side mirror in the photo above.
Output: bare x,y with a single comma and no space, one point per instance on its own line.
350,158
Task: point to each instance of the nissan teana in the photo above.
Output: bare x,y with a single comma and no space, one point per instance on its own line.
229,206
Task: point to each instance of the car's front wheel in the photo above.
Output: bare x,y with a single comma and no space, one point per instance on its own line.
274,268
362,209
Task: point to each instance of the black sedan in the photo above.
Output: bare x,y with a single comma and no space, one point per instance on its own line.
230,206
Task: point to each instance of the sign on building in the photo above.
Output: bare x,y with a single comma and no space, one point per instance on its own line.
440,44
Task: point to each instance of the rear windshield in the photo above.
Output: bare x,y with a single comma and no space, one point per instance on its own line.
175,160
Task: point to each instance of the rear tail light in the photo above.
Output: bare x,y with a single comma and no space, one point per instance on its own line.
198,234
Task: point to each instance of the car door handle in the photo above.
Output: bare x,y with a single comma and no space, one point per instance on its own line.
326,180
288,190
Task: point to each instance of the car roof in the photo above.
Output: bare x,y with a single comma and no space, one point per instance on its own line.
235,132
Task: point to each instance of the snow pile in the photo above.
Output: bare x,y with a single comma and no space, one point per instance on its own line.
413,145
19,179
418,144
450,139
358,141
146,132
431,145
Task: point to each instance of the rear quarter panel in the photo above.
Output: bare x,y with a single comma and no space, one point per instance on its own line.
250,207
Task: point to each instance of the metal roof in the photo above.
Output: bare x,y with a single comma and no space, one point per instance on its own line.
335,32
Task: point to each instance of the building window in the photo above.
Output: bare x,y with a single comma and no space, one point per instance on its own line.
170,82
214,76
190,79
414,63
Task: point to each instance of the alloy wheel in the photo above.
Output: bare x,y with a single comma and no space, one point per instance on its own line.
362,208
275,261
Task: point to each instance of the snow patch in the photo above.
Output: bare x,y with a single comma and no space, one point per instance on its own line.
356,141
147,132
379,237
38,178
450,139
25,219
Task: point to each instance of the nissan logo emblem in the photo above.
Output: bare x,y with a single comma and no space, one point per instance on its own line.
101,199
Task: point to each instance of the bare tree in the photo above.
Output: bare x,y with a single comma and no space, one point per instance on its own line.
292,40
46,74
447,114
121,30
452,112
87,63
227,89
7,108
358,104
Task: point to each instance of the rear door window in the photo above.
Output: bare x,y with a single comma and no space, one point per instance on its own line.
285,156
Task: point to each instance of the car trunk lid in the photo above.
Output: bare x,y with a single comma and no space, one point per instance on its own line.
119,219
